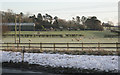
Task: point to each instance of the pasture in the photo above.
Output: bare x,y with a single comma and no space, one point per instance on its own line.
88,37
64,58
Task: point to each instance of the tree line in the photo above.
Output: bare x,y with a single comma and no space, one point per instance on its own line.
49,22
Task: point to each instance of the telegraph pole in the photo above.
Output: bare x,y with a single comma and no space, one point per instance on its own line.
19,26
15,28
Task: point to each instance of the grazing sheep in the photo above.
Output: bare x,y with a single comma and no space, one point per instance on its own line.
29,40
77,39
72,39
92,37
80,38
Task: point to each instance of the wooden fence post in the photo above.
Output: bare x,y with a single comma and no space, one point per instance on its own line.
117,47
82,46
7,45
17,45
54,46
98,46
23,50
29,45
67,46
41,46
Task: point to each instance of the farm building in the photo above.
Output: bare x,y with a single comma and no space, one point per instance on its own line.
24,26
107,26
111,27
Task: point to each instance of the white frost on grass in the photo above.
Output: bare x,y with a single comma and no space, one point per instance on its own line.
102,63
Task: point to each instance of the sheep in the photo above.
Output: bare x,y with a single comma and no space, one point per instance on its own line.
89,38
72,39
77,39
80,38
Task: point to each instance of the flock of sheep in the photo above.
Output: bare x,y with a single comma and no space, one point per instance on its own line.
81,38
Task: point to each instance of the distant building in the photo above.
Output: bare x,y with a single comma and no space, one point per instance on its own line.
111,27
24,26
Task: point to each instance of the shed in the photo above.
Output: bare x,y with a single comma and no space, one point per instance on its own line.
24,26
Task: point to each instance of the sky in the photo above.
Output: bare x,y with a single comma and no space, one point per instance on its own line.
105,10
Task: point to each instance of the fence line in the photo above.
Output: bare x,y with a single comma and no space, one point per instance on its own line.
43,35
62,45
54,46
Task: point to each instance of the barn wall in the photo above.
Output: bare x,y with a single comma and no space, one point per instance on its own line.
23,28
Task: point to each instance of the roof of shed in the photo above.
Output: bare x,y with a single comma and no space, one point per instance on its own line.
12,24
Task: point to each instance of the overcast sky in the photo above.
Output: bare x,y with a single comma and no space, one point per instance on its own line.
59,0
105,10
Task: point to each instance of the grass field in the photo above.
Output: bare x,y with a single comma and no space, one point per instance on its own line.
85,33
89,36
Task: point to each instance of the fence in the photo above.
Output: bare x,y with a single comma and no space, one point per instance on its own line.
54,46
66,46
42,35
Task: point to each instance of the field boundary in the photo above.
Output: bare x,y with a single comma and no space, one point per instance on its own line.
61,45
64,48
42,35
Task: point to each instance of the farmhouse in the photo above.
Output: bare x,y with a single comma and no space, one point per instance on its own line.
111,27
107,26
24,26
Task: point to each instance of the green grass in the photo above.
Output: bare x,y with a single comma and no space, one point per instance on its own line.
66,40
89,37
99,34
